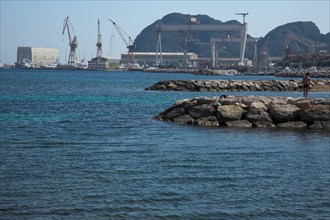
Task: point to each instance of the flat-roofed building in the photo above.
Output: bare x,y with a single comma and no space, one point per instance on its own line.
98,63
38,56
149,58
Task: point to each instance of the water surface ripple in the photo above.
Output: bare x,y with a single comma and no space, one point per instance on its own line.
84,145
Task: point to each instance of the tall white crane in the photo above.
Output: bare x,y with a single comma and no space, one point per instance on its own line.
72,42
129,44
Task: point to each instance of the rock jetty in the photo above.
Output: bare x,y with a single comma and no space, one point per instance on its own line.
322,73
195,71
250,111
235,85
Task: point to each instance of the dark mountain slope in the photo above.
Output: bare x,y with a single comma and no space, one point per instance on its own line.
146,41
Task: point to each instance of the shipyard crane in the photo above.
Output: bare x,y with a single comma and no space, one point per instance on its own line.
229,39
129,44
311,44
287,43
244,15
99,40
160,28
72,42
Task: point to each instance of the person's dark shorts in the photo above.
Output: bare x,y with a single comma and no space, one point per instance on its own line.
306,86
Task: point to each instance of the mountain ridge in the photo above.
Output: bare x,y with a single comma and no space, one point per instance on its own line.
274,40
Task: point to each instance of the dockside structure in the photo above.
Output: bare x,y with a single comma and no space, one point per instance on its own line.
148,58
38,56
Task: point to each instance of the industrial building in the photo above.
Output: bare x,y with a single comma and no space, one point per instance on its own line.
37,56
99,62
149,58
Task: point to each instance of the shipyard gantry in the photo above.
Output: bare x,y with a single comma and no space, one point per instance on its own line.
195,26
72,61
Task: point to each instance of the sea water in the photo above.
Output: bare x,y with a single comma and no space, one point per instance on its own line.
84,145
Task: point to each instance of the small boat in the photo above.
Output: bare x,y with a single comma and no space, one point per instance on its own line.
23,64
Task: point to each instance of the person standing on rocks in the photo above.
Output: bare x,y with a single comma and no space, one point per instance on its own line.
306,84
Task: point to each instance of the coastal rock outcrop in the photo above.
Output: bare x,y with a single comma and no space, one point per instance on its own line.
236,85
250,111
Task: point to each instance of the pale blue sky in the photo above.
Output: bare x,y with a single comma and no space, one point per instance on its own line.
40,23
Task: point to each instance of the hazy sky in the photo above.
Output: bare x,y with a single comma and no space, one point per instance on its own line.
40,23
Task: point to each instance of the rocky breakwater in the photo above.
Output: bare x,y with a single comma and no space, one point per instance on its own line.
235,85
250,111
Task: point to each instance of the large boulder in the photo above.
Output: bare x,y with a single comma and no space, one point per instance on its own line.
239,124
171,86
264,124
210,121
231,100
316,113
284,112
320,125
176,112
249,100
304,104
184,119
254,114
258,105
200,111
227,113
204,100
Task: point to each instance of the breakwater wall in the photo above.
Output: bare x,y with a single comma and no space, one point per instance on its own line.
250,111
195,71
322,73
234,85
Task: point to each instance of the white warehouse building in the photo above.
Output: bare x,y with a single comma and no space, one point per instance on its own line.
37,55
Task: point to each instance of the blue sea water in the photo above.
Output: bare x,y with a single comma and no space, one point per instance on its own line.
83,145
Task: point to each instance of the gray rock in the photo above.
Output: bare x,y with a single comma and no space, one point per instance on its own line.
210,121
284,112
162,118
171,86
292,124
320,125
254,114
176,112
248,100
316,113
229,101
184,119
316,125
204,100
258,105
320,101
227,113
264,124
258,87
239,124
304,104
200,111
182,102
